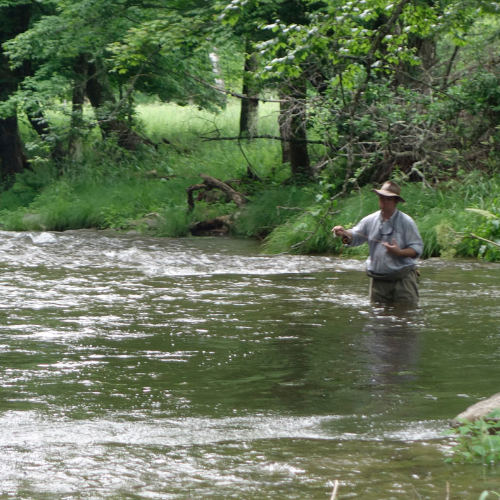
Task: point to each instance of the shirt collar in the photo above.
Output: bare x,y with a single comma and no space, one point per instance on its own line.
391,218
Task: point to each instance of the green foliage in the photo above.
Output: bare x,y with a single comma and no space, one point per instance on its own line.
175,222
186,128
477,441
447,239
27,186
440,214
110,187
75,204
489,229
308,230
377,107
344,33
271,208
458,224
159,49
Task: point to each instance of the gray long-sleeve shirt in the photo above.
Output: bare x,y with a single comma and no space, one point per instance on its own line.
400,227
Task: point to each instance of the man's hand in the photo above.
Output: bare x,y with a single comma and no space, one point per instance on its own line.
343,233
393,248
338,231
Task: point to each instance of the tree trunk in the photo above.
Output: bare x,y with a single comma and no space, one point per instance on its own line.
293,123
14,20
12,157
42,128
99,92
75,139
284,127
249,114
104,104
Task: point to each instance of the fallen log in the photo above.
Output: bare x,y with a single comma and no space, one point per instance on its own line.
213,183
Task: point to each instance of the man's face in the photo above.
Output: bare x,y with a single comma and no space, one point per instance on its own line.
387,204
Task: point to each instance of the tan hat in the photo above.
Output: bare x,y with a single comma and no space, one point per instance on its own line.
389,188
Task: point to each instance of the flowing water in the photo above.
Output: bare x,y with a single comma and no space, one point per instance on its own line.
143,368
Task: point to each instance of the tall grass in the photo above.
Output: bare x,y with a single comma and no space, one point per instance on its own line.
197,143
85,204
271,208
309,230
434,211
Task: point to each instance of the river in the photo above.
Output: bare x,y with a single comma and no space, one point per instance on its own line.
148,368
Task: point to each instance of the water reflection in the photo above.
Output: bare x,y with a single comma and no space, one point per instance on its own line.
392,339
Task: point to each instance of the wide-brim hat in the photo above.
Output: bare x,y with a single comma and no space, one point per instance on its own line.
390,188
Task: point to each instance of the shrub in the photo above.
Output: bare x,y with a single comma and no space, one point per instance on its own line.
477,441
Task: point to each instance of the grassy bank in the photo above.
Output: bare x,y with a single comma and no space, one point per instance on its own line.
451,218
146,191
110,187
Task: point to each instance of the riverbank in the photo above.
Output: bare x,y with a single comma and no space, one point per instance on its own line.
456,218
145,191
285,218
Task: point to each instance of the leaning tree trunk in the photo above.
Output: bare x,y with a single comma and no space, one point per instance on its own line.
249,114
42,128
293,129
104,103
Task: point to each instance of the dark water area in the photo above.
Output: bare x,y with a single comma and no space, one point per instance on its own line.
143,368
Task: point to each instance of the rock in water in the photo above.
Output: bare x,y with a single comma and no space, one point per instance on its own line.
480,409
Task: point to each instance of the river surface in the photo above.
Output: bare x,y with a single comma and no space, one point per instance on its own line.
148,368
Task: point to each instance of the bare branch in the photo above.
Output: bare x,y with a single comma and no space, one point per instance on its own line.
265,136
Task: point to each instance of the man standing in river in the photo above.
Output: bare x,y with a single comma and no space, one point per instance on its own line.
395,244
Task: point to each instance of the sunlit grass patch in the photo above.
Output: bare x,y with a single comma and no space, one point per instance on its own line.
204,142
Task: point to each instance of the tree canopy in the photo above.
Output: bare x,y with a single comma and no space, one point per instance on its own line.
382,85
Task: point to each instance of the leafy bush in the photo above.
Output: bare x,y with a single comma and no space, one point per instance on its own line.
489,229
477,441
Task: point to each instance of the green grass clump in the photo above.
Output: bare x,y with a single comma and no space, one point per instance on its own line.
271,208
309,230
63,206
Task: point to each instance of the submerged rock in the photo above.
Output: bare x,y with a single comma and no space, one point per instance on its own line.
480,409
